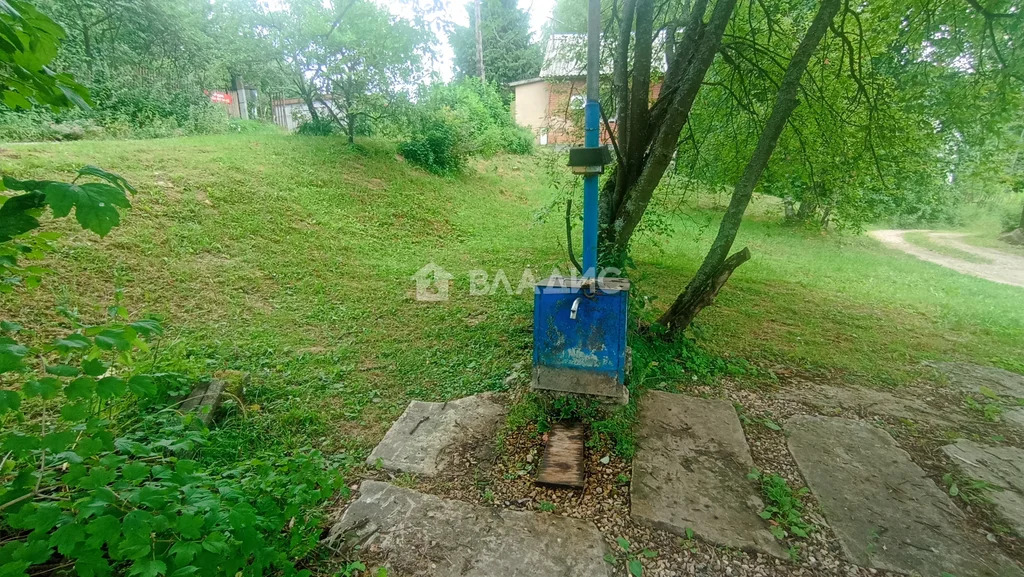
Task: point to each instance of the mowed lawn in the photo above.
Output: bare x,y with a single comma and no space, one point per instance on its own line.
291,258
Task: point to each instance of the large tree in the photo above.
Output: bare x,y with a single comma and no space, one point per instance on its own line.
509,53
349,61
871,84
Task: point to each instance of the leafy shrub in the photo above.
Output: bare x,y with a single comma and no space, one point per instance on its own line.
520,140
454,121
252,126
438,145
104,494
123,107
1010,220
320,127
100,473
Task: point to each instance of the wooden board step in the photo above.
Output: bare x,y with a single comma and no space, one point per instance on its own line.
205,398
562,463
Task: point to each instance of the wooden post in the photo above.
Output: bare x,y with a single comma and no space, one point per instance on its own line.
479,45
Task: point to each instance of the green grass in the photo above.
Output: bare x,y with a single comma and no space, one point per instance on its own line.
291,257
921,239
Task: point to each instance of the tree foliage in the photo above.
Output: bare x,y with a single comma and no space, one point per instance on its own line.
899,108
509,51
348,61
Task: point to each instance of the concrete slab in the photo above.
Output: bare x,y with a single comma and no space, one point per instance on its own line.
1014,417
1002,467
886,513
911,405
423,439
422,535
690,472
970,378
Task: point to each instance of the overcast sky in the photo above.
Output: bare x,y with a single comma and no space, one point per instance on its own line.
455,10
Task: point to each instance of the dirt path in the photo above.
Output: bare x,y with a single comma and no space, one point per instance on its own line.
1001,267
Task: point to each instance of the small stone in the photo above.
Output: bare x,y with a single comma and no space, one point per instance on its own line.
605,460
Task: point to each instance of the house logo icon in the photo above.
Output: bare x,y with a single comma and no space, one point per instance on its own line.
432,283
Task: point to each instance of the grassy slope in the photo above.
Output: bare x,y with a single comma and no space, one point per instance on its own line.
291,258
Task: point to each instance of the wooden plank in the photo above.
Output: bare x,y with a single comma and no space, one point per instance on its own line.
562,463
205,399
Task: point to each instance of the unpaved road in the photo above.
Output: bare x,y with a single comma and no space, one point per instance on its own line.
1001,267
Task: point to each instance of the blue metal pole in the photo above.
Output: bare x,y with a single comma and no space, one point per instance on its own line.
591,126
592,136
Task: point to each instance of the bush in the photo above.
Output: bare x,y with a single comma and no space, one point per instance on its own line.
320,127
439,144
124,107
252,126
100,471
453,121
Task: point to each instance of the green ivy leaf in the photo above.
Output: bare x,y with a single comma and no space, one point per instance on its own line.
147,327
35,552
72,342
20,444
80,388
16,216
148,568
94,367
134,471
184,552
134,546
46,387
104,529
623,543
92,564
59,441
189,526
9,401
94,204
216,543
9,327
11,354
62,370
90,170
110,387
636,568
75,412
119,339
67,538
142,385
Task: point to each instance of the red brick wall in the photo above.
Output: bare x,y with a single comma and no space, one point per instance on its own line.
565,122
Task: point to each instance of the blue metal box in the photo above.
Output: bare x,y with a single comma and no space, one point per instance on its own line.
579,337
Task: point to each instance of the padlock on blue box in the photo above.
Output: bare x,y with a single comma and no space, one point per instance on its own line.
579,336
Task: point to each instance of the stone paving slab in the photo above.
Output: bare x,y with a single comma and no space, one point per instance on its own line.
886,513
911,405
421,441
690,472
970,378
999,466
422,535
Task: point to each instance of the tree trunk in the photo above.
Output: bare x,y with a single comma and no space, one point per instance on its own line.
683,312
717,266
698,48
479,44
351,125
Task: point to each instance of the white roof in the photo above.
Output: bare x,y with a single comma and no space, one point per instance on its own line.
566,56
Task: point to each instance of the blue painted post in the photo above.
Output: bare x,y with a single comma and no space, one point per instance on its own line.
592,136
591,126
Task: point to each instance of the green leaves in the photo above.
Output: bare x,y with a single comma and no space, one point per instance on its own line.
148,568
11,354
95,204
